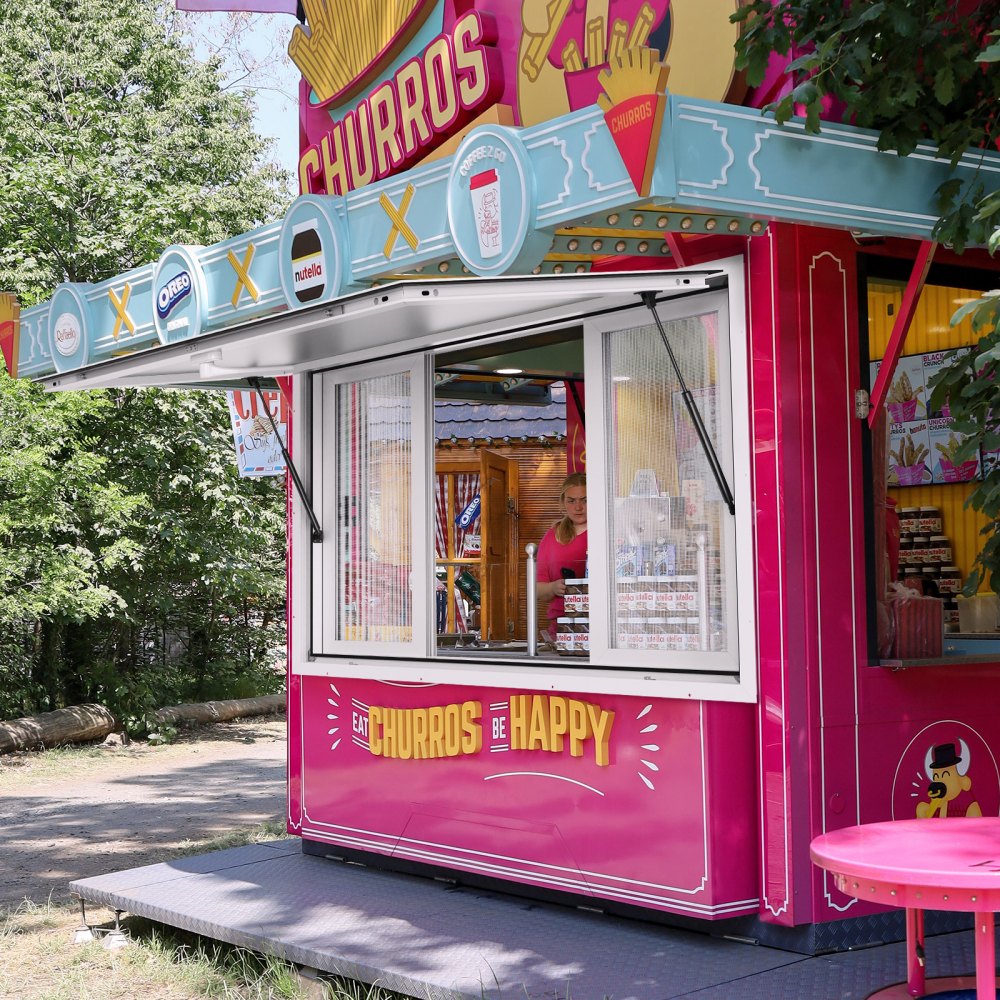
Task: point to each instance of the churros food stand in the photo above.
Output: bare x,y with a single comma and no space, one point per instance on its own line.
504,208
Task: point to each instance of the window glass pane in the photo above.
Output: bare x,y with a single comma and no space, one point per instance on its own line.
667,514
373,490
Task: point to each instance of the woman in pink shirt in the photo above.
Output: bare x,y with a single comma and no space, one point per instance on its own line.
564,546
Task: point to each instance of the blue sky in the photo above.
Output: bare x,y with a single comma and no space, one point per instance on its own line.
254,50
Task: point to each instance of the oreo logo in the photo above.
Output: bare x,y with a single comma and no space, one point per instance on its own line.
171,293
469,514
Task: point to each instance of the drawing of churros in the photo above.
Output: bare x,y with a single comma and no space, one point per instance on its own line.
642,27
571,57
619,39
595,41
538,48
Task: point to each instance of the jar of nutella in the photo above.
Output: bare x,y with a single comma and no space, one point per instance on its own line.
308,261
913,579
905,549
565,636
918,554
950,580
950,616
939,549
929,574
929,520
908,520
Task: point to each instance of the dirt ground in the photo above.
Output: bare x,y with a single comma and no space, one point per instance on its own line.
72,813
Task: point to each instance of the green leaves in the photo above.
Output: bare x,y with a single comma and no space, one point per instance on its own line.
914,72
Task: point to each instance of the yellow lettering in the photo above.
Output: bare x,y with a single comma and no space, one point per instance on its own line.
600,722
331,146
579,727
518,721
413,126
559,720
308,168
358,130
440,83
472,739
384,124
470,59
436,732
374,735
538,735
419,716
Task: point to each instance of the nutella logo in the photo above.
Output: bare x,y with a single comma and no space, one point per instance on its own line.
308,262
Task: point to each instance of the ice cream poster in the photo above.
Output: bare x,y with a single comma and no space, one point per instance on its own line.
258,448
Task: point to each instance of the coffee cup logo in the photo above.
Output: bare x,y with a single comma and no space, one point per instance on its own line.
67,334
484,188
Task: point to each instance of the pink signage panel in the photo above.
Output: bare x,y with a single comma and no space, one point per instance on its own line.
615,797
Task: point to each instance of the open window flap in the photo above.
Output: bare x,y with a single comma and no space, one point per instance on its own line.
406,315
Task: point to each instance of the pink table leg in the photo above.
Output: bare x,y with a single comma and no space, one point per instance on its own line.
915,953
985,965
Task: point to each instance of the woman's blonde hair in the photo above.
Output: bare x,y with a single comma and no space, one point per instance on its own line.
565,530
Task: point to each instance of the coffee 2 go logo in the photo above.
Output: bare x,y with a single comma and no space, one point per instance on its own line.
172,293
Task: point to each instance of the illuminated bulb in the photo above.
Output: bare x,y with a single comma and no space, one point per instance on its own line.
558,269
734,224
710,224
643,246
573,244
537,270
636,220
596,245
756,227
613,219
664,248
581,268
620,246
661,222
509,371
687,222
443,267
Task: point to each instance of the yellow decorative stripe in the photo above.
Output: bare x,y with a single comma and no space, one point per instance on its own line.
243,279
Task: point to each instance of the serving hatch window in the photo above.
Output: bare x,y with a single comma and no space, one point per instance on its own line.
440,468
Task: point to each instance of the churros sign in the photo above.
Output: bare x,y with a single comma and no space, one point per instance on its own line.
548,723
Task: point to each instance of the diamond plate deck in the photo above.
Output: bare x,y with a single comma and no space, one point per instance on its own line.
432,939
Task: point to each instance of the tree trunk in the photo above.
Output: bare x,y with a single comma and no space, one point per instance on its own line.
220,711
79,724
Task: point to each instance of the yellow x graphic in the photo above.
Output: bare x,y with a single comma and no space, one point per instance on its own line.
120,306
398,217
243,279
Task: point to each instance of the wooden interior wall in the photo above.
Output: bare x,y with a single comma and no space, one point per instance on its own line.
542,471
931,331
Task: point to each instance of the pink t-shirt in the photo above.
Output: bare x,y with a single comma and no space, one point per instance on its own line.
553,556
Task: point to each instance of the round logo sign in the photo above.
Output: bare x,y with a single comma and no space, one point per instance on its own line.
66,334
312,251
492,203
179,295
69,326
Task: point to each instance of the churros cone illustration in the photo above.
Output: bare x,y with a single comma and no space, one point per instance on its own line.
633,103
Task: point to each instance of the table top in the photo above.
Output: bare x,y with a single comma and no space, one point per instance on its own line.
957,853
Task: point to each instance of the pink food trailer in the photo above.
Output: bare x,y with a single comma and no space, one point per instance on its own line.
517,256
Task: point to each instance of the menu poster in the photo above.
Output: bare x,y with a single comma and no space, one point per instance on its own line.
922,446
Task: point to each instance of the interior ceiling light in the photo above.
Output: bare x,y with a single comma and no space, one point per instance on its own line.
509,371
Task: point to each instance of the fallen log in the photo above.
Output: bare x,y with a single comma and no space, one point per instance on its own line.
219,711
79,724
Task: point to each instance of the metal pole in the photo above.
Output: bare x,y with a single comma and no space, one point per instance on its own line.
532,592
701,541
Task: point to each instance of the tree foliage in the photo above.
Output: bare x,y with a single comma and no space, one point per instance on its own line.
136,568
911,69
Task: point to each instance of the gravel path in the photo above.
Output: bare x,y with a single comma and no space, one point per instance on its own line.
73,813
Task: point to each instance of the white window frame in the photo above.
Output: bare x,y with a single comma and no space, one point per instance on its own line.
414,662
326,554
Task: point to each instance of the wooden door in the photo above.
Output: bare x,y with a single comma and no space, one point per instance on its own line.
498,492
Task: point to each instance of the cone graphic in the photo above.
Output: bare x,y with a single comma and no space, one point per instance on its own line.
633,109
10,327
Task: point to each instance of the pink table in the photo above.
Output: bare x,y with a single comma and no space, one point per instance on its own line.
923,864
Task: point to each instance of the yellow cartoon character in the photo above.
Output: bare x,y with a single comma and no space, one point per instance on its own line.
949,791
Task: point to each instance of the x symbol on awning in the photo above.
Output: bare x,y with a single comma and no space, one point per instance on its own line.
121,309
243,279
400,227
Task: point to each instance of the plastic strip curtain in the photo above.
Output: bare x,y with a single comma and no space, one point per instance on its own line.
662,494
466,487
373,486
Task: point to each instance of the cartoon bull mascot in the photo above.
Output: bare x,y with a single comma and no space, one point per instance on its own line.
949,792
